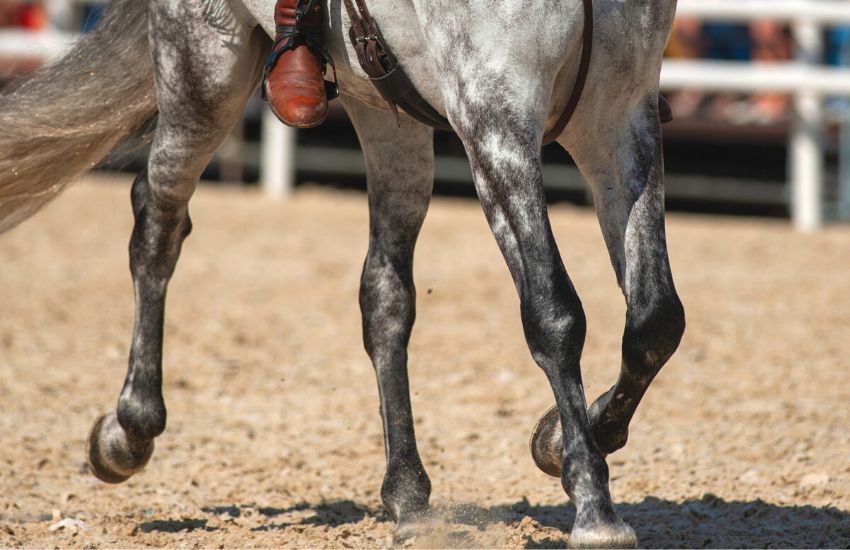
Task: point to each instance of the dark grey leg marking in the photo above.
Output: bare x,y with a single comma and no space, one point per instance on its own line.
195,114
122,444
629,197
503,147
632,221
399,163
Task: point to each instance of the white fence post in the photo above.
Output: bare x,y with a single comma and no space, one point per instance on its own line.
804,78
277,157
804,144
844,167
806,163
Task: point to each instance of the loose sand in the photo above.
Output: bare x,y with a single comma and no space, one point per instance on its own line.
274,437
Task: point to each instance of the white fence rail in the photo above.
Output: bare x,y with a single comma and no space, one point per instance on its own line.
804,78
831,12
21,43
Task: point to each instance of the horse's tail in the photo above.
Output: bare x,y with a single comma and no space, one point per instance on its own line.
65,118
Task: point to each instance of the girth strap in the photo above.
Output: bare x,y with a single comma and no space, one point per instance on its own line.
581,77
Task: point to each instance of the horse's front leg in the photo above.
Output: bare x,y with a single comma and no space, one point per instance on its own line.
121,443
400,172
194,117
626,174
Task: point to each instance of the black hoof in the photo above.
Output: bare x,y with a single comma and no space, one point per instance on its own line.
112,456
547,443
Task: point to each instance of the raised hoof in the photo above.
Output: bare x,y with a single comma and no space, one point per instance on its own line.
618,535
610,437
547,443
112,456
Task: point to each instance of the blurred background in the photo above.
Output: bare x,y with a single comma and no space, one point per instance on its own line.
758,89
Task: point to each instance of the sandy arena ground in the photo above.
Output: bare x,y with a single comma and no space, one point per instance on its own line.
274,437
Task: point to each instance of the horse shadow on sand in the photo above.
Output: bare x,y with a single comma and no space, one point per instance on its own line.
711,522
708,522
329,514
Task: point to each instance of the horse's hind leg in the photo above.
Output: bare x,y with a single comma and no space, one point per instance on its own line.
400,172
204,75
626,174
629,197
502,141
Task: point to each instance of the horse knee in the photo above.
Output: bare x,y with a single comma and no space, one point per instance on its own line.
159,231
653,332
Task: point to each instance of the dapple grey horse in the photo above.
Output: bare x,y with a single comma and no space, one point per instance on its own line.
501,72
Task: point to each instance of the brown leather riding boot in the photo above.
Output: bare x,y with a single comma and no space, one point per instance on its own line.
293,82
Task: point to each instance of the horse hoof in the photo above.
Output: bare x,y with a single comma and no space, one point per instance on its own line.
410,529
409,516
618,535
547,443
609,436
112,456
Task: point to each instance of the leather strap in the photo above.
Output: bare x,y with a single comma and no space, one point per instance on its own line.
383,69
371,51
581,77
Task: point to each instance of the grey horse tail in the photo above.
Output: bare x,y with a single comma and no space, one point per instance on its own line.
63,119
